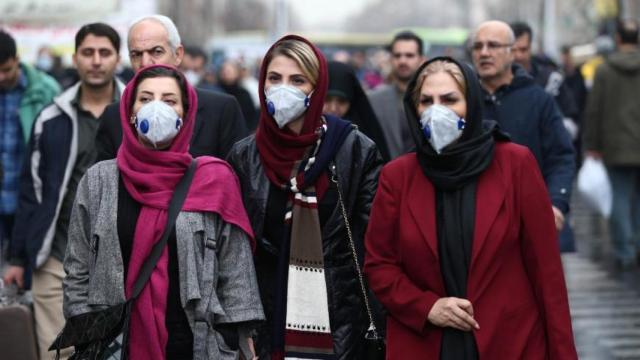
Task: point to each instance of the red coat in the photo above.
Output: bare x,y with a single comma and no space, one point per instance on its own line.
516,282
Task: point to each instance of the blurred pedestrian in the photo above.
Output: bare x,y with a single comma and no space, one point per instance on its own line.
45,59
123,204
577,85
346,99
461,240
229,82
249,82
194,64
612,133
406,50
547,75
296,172
575,82
60,151
24,91
51,63
155,39
525,111
369,78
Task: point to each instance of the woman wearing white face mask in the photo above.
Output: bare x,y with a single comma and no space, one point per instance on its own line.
461,247
202,293
293,172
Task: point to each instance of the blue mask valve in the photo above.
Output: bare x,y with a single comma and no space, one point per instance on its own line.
144,126
271,108
427,132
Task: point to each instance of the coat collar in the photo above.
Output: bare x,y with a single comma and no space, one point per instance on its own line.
65,100
490,195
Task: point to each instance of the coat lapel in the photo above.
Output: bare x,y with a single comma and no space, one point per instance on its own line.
490,195
422,205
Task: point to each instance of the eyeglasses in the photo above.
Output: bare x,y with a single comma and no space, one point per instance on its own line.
491,46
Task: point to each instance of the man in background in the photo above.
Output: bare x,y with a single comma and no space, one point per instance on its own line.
547,75
525,111
219,122
612,133
60,151
406,57
24,91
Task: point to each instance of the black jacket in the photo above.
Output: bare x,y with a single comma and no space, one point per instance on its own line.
530,115
358,165
219,124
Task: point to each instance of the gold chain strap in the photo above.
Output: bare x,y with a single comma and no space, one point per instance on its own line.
372,325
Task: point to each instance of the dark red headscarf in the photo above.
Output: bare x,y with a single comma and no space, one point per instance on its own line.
279,148
150,177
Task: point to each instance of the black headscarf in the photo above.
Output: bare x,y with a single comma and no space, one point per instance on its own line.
454,173
344,83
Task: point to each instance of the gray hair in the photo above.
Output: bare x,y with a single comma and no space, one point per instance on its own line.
511,37
167,24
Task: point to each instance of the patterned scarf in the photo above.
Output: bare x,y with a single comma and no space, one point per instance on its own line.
304,306
307,332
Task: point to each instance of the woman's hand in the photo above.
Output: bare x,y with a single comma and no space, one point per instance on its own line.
453,312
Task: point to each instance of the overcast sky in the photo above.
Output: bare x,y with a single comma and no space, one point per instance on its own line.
325,14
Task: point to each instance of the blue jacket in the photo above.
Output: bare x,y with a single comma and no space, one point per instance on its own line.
530,115
48,164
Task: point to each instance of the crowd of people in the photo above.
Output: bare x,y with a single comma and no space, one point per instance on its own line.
308,211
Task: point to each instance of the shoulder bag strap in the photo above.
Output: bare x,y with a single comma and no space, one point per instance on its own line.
372,326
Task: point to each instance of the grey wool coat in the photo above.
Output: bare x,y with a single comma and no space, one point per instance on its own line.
217,277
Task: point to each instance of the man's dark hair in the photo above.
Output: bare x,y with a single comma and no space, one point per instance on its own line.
195,51
627,31
520,28
7,47
407,36
98,29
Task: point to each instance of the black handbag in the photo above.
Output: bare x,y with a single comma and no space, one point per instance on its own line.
102,334
374,344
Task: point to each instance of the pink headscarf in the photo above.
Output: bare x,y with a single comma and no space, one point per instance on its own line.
150,177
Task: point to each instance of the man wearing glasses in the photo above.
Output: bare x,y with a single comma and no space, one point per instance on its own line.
524,110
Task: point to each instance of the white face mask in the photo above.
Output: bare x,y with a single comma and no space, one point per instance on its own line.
157,122
441,126
286,103
193,77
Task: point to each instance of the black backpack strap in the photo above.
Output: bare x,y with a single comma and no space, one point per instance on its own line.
177,200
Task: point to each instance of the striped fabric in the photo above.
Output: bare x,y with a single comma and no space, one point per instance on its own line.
307,329
301,328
